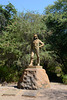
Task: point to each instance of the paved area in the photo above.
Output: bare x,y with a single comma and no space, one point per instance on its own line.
56,91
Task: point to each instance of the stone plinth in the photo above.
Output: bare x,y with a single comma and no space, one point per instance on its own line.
34,78
34,67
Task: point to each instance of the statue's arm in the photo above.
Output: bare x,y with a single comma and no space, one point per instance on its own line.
42,44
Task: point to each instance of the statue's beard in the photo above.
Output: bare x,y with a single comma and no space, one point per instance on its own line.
35,38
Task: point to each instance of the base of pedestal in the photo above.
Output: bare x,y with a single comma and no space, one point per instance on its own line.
34,78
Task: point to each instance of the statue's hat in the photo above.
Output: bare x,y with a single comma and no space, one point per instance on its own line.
35,35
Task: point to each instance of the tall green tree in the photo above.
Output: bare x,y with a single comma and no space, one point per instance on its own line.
7,14
55,17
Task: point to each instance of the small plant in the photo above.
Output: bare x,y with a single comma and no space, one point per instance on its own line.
64,79
58,71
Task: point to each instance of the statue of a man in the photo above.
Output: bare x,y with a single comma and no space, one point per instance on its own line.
35,49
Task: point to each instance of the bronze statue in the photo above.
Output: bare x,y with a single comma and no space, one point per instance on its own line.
35,49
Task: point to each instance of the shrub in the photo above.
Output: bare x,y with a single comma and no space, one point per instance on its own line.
64,79
9,74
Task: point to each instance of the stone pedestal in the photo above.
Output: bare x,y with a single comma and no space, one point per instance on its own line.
34,77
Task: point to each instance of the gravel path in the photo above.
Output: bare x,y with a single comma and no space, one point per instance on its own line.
56,91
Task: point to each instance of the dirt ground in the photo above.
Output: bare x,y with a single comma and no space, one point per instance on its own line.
57,91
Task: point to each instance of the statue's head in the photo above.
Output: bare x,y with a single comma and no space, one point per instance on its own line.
35,36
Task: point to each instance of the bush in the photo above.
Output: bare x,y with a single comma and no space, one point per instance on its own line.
9,74
64,79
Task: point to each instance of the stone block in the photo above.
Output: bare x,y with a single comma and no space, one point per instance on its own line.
34,78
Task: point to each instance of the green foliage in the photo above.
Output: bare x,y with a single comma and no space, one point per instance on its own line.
7,14
64,79
56,22
8,74
59,6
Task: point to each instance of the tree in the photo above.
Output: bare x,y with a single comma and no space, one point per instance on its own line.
56,21
60,7
7,14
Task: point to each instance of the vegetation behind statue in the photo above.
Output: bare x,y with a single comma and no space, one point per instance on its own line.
15,39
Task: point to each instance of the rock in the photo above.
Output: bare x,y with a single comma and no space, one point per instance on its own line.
34,78
4,83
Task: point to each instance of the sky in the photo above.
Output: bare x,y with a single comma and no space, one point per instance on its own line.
29,5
